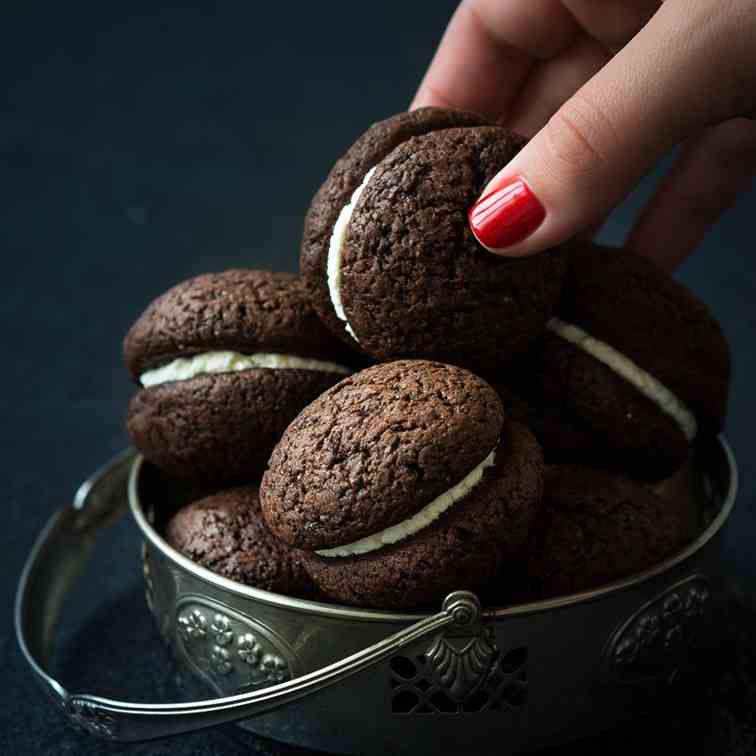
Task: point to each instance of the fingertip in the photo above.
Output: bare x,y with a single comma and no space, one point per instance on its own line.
506,216
514,251
421,101
428,96
418,101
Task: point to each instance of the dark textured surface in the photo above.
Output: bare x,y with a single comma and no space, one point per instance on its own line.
144,145
515,407
242,310
225,532
582,411
595,528
345,176
627,302
463,550
375,449
220,429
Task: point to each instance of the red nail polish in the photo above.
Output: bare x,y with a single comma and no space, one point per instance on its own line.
506,215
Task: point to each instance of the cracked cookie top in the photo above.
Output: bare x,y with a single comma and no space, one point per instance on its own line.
239,309
629,303
377,448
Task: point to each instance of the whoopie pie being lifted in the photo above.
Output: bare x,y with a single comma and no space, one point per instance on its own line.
390,262
225,362
402,483
631,370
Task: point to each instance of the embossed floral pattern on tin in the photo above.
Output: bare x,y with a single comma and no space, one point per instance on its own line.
220,658
86,716
222,646
650,645
192,625
274,668
222,632
249,649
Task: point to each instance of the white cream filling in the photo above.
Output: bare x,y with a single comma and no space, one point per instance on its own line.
649,386
184,368
428,514
336,251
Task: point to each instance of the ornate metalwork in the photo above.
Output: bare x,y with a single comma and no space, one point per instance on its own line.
651,645
461,668
249,649
273,669
462,671
321,632
149,588
192,625
222,632
221,643
89,718
417,689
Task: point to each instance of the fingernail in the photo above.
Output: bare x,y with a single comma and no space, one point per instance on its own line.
506,215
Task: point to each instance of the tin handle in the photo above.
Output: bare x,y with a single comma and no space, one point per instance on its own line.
56,558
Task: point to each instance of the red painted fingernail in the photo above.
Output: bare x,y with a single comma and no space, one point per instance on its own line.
506,215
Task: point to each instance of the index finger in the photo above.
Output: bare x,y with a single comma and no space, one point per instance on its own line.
487,51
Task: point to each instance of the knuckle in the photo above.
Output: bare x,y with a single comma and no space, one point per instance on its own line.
579,138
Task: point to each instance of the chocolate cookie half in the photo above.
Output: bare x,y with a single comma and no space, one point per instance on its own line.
225,532
389,259
596,527
226,361
631,371
403,482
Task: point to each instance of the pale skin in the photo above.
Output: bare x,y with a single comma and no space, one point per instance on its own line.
604,88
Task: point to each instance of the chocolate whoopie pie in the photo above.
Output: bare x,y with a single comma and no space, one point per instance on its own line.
631,370
226,361
388,257
596,527
402,483
225,532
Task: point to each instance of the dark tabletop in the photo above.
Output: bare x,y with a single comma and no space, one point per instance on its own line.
139,148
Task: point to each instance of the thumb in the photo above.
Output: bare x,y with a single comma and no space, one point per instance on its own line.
666,83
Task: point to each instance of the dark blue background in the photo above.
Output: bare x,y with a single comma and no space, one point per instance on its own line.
139,148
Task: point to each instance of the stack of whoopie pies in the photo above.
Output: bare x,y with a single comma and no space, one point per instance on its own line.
511,427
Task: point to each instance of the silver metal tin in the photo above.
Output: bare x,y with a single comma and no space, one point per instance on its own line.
346,680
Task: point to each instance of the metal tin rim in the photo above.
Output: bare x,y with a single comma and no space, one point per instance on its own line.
353,613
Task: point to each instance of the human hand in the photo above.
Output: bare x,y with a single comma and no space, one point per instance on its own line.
604,88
